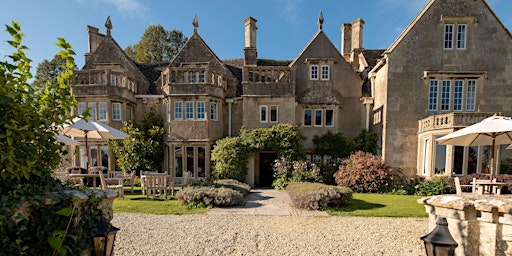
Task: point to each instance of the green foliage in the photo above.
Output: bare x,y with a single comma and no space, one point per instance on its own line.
314,196
506,166
335,145
29,225
29,118
286,172
200,196
231,154
156,45
49,71
364,172
366,141
144,148
230,159
435,186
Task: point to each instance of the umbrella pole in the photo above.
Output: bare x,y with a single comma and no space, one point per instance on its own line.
86,153
492,159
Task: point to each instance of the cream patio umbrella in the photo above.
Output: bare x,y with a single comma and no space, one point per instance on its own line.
91,130
494,130
66,140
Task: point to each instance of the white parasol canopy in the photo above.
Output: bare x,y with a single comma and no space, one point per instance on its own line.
66,140
494,130
91,129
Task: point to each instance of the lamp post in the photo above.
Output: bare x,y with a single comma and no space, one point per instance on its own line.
104,238
440,242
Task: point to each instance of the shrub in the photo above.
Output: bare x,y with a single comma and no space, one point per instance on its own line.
286,171
435,186
365,173
314,196
241,187
406,186
210,196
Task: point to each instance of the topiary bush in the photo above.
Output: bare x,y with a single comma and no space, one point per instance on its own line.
314,196
195,196
364,173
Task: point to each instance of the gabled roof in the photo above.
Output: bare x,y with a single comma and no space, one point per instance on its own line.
422,13
109,52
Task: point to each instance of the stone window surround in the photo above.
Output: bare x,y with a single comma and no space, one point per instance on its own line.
267,116
319,63
453,76
323,115
454,21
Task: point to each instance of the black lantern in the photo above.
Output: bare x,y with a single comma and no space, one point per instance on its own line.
440,242
104,238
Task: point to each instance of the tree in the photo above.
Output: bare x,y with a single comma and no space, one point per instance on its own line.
156,45
28,118
48,71
29,224
143,149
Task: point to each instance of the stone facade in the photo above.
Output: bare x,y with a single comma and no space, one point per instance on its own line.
421,79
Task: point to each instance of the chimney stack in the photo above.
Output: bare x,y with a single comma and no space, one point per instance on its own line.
357,34
94,40
346,40
250,52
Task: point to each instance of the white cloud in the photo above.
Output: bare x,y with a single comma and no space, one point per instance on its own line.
290,9
129,7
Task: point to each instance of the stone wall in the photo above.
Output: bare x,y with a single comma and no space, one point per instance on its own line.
481,224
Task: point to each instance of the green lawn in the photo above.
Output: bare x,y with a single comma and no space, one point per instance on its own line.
368,205
381,205
137,203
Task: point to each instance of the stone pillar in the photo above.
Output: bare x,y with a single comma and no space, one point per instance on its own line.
481,224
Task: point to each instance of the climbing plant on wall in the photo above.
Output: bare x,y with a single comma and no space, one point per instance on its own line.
230,155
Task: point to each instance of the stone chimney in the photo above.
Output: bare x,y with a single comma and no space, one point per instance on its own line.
250,52
357,34
351,39
346,40
94,40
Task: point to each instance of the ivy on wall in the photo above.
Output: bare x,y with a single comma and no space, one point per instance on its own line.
230,155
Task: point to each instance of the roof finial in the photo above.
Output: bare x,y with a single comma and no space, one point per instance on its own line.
108,25
320,21
195,23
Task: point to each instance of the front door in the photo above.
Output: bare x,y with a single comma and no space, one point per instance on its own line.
266,174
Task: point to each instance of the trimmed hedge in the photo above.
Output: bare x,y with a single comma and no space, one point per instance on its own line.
314,196
195,196
241,187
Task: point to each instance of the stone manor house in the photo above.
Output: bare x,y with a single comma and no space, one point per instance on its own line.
450,68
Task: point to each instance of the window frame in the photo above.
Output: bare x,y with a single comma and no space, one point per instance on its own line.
448,36
313,72
263,113
433,94
102,111
116,107
275,109
326,116
189,110
325,76
446,89
93,112
214,111
304,119
81,108
191,77
200,110
178,110
316,117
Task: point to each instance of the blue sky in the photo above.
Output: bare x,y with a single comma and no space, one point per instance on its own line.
284,26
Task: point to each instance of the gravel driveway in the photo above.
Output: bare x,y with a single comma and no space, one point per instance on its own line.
253,233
